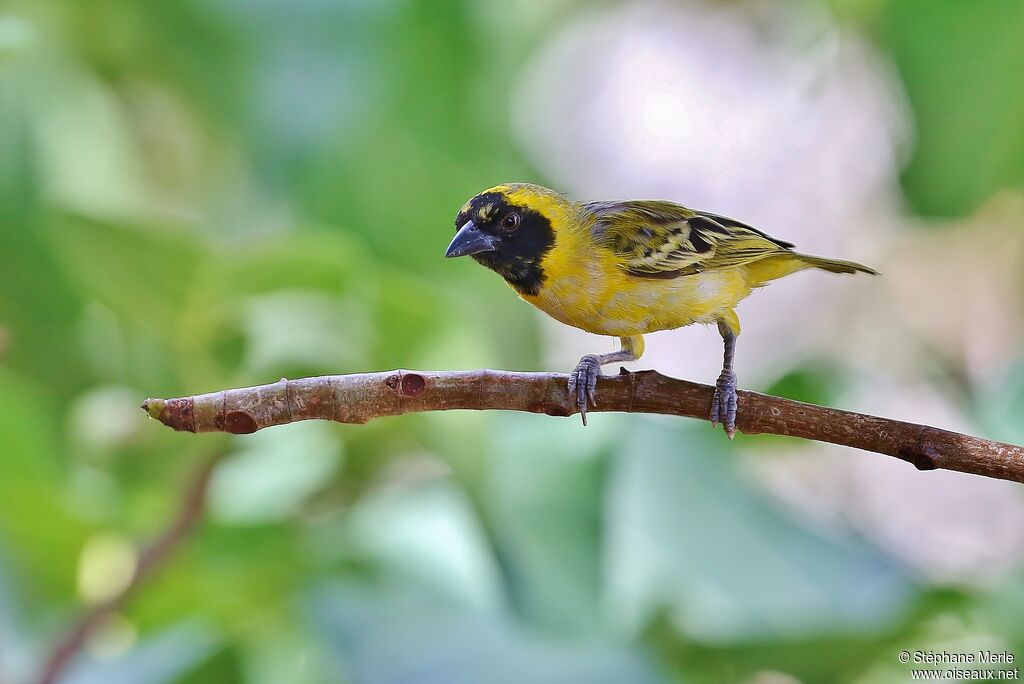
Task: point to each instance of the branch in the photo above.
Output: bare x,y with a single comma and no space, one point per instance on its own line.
362,397
189,512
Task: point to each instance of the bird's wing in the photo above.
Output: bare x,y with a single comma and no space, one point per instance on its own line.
666,240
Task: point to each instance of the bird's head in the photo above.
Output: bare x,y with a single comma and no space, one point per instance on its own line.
509,228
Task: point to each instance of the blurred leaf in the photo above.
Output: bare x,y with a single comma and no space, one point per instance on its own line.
306,333
388,637
998,406
105,419
283,655
428,536
241,577
15,637
1001,606
273,472
312,260
275,306
544,500
814,382
686,535
145,275
34,520
38,305
961,64
411,314
85,141
821,657
160,659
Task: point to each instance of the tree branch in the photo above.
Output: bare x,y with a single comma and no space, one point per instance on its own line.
362,397
189,512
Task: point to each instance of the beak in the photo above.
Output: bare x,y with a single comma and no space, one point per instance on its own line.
470,240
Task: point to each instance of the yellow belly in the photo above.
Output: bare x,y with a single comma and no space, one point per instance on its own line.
603,299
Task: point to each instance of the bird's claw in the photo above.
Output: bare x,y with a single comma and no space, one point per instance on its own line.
583,384
723,405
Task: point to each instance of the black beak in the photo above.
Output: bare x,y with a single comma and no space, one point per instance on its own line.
470,240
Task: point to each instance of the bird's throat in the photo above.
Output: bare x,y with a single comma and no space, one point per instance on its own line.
518,256
524,274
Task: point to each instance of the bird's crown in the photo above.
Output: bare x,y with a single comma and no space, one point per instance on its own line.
492,202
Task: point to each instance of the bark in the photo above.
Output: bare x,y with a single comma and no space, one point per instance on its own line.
362,397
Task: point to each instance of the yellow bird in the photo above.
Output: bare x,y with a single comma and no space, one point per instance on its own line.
626,269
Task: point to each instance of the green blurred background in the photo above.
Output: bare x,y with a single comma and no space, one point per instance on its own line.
211,193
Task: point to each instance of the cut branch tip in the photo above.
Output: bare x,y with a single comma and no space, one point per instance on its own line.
154,407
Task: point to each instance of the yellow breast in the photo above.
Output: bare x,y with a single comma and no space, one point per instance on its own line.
585,288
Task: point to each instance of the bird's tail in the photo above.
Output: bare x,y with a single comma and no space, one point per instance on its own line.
785,262
834,265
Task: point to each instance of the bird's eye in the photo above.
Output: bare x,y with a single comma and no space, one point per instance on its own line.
510,221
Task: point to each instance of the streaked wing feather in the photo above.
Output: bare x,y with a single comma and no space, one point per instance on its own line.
665,240
733,223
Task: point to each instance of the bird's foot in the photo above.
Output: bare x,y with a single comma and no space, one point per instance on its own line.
583,383
723,406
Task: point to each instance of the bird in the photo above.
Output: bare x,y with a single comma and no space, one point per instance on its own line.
627,268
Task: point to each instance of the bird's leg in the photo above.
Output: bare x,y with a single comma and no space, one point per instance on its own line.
583,379
723,405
